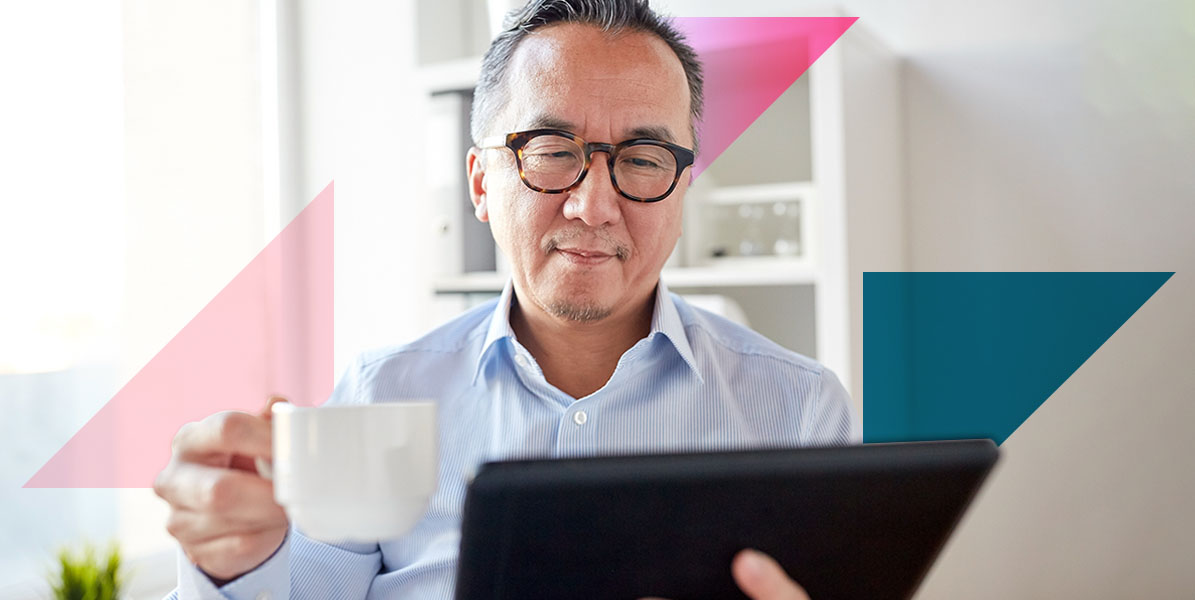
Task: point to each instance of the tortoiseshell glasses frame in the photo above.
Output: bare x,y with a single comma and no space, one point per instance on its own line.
646,170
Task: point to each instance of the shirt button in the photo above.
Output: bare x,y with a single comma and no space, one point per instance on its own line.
519,360
580,417
263,596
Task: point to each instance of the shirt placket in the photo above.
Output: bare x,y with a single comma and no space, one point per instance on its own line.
581,430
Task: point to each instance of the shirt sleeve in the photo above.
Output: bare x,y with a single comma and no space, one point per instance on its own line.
831,420
301,569
270,580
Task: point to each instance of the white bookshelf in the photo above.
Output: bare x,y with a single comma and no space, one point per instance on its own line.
450,75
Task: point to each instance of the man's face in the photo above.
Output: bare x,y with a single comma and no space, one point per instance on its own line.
587,253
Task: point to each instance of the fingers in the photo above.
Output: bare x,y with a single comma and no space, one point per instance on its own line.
762,578
223,435
230,556
225,520
230,494
191,527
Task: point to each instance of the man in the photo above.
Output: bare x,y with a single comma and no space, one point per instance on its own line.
584,123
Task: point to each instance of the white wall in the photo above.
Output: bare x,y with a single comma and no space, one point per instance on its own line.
1072,149
360,126
1061,136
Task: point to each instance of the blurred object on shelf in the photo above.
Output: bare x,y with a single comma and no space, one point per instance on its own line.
756,223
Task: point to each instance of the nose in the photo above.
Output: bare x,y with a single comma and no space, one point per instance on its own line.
595,201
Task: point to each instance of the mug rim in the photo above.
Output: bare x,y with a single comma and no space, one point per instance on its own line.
287,407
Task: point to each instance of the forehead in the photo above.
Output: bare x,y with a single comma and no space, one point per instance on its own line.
601,84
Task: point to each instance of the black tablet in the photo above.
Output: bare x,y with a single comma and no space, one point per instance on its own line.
848,522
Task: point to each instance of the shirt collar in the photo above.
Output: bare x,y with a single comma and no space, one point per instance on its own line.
665,320
499,328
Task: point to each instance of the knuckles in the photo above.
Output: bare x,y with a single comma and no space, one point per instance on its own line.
231,426
221,494
162,481
176,526
240,545
178,444
224,430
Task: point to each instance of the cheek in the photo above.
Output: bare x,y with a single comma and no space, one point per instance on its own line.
518,219
655,230
498,218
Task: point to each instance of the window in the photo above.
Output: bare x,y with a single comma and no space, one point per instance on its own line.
138,183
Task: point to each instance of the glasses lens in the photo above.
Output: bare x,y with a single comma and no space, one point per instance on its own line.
645,170
551,162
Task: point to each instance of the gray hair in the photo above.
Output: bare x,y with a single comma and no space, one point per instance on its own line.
611,16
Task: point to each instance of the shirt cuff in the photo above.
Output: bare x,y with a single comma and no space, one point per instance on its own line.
269,581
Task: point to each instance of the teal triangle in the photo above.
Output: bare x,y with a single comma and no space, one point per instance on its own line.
972,355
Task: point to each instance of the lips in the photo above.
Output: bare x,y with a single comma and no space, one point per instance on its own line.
583,256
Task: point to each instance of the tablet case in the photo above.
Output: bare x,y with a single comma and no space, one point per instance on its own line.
848,522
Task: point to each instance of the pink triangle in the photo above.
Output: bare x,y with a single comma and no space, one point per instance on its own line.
749,62
269,331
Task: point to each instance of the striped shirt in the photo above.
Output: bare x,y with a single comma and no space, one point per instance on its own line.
696,382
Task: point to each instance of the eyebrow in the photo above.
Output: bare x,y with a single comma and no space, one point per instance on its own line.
656,132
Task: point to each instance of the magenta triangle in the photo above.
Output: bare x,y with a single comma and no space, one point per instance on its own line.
749,62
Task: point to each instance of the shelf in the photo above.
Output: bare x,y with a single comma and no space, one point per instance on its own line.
733,274
482,282
450,76
741,273
767,192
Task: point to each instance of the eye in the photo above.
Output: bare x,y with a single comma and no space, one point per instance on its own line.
641,163
552,153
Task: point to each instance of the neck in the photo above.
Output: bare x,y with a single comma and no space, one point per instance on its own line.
579,357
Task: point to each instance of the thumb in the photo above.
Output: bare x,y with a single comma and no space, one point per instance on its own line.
266,413
762,578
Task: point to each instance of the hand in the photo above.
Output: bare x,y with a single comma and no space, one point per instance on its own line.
762,578
222,511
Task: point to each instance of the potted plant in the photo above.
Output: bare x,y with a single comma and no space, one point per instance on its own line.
88,576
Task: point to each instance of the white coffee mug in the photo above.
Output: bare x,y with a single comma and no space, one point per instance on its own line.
355,472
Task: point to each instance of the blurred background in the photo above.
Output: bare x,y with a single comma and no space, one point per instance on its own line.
152,148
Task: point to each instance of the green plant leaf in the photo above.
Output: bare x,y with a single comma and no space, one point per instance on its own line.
85,576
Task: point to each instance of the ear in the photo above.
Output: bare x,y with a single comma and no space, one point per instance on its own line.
475,167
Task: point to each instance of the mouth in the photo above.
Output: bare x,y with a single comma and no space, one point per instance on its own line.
582,256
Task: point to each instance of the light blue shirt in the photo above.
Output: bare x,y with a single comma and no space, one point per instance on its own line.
696,382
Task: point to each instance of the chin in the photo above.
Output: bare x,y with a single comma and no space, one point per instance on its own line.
582,308
580,313
581,298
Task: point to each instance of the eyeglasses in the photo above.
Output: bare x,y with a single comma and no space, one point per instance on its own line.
554,161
